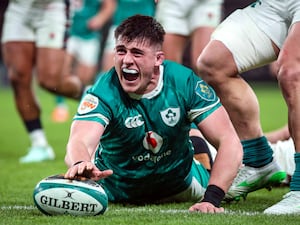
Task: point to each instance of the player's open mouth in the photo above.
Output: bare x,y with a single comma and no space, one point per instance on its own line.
130,74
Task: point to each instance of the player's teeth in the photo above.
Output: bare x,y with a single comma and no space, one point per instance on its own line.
125,70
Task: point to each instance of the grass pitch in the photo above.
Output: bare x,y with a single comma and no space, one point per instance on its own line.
18,181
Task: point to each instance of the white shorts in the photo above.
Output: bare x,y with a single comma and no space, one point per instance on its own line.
184,16
84,50
41,22
247,33
193,193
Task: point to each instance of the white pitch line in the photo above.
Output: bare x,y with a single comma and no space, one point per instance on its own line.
138,209
184,211
18,207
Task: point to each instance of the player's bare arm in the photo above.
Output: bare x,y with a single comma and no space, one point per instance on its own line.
227,144
229,150
83,142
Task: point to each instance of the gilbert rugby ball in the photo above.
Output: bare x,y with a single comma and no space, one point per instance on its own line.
56,195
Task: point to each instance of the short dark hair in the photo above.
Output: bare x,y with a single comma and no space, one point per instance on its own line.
143,28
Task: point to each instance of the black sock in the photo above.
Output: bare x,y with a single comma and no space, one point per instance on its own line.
32,125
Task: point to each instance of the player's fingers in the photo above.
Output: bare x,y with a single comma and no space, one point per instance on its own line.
198,207
107,173
67,175
88,170
102,174
83,167
91,166
213,210
77,169
193,208
71,173
219,210
205,208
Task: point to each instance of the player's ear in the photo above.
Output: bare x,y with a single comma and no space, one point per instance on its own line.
160,57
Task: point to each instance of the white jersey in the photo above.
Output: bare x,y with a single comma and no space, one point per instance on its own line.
275,17
39,21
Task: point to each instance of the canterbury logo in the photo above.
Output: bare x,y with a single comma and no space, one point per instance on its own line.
133,122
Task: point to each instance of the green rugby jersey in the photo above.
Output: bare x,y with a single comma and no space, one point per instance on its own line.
82,12
146,140
127,8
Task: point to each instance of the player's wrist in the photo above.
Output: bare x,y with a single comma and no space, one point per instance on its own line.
213,195
78,162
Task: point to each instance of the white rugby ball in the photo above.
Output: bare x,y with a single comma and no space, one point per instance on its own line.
56,195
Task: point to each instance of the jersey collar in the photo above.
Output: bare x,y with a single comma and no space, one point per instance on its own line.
155,91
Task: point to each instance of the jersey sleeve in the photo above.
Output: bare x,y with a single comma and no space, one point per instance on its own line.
91,108
202,99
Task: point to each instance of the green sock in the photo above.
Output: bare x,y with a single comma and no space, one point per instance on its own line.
59,100
257,152
295,182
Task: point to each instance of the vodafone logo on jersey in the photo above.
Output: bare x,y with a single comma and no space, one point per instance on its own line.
88,104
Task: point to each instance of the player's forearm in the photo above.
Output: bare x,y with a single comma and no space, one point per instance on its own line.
226,166
221,178
76,152
83,141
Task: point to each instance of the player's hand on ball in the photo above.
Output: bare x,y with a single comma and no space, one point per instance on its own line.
205,207
88,170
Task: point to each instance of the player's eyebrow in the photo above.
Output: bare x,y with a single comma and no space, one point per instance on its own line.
135,50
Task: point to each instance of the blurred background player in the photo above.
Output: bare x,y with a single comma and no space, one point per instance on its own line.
125,9
88,17
32,43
